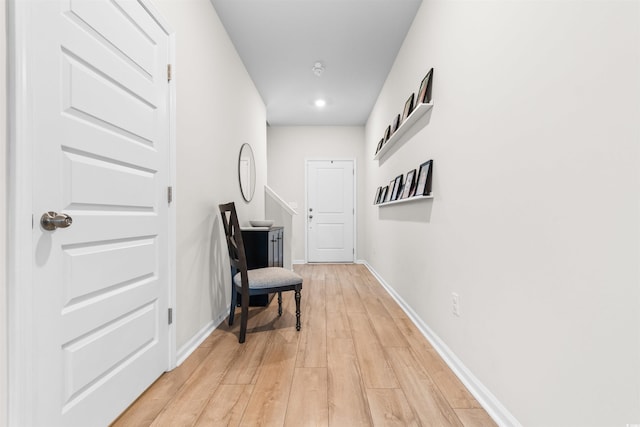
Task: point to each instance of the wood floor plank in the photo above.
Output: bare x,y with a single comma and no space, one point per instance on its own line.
147,407
185,408
315,349
226,406
244,369
335,301
383,296
451,387
268,403
350,295
308,405
375,366
388,333
454,391
336,310
338,325
347,403
425,399
475,418
302,342
375,370
370,300
389,407
411,332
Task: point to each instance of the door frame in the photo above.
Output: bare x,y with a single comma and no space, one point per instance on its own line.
306,202
20,221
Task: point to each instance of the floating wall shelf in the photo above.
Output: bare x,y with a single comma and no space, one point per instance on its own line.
400,135
407,200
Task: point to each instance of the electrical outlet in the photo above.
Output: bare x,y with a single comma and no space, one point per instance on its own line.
455,300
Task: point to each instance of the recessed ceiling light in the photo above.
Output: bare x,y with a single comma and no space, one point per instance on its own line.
320,103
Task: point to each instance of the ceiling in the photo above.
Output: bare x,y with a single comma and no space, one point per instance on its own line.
279,42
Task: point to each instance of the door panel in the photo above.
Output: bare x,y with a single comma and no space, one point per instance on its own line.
330,236
101,155
99,183
112,25
88,93
93,270
330,215
89,358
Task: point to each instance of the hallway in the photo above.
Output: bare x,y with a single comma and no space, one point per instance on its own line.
357,361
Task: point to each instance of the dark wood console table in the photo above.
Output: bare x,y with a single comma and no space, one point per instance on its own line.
263,248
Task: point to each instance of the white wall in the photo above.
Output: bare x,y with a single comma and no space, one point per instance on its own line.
218,109
534,137
288,149
3,220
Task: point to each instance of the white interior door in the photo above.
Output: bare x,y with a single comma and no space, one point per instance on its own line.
330,210
99,126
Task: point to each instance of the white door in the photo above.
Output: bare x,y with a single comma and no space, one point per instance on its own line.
330,210
99,126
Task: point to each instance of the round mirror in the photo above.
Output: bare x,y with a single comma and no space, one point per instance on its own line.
247,172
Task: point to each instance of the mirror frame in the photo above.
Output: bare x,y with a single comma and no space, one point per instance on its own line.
252,168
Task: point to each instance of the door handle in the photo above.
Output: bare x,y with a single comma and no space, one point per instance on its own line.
310,216
52,220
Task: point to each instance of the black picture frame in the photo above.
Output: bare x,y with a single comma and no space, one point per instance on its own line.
392,190
379,145
423,187
396,124
376,198
408,107
387,134
424,93
397,188
409,185
384,194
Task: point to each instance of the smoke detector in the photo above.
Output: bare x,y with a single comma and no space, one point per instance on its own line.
318,69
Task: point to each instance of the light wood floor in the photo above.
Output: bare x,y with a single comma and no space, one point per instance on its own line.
358,361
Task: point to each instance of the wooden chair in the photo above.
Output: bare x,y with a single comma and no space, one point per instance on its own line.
258,281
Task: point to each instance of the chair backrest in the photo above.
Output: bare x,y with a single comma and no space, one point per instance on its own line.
233,234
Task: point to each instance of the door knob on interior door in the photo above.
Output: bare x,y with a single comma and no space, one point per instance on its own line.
310,216
52,220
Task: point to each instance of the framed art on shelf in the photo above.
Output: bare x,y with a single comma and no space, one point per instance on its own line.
387,134
423,188
408,108
396,124
397,188
376,199
409,185
424,94
392,190
379,145
384,194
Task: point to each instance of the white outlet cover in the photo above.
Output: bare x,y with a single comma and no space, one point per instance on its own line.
455,300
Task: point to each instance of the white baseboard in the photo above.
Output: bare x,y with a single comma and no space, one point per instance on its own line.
191,345
496,410
358,261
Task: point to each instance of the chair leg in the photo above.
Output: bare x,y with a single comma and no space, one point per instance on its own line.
297,309
279,304
243,319
234,303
